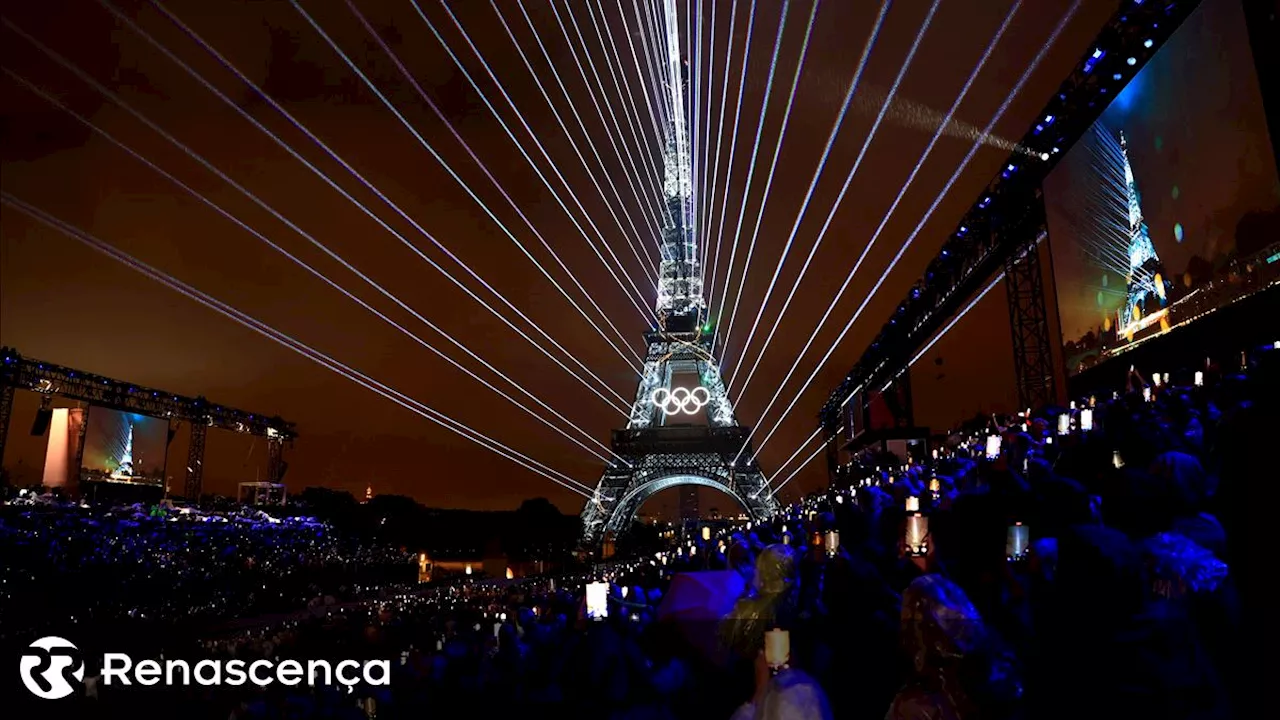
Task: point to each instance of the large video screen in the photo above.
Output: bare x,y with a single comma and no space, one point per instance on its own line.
1168,208
124,447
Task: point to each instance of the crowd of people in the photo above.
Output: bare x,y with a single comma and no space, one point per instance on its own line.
1089,567
72,568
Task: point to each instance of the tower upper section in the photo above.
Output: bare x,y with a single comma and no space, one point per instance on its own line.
680,300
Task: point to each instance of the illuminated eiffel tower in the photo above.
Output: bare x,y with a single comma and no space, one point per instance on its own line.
1147,290
682,429
124,470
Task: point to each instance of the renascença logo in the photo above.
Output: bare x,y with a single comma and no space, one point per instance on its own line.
52,668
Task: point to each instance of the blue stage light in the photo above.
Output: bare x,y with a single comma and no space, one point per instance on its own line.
1093,60
1148,43
1132,61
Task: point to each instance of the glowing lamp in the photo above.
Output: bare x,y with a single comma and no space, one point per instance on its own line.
1018,540
468,568
777,648
913,504
917,535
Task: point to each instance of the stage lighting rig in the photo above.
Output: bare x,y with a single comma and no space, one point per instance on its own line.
18,372
1008,217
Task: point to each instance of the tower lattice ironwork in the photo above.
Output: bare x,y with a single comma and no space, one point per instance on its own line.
677,434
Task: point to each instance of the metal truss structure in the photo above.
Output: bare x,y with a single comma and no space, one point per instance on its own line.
48,379
653,453
1029,323
1009,214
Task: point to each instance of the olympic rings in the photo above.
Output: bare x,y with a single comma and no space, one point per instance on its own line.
673,402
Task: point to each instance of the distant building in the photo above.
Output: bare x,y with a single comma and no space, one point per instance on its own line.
688,503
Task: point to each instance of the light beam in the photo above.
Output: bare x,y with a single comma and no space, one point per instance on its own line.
919,226
306,351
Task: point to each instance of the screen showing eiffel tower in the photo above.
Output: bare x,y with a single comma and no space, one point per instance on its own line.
1168,208
124,447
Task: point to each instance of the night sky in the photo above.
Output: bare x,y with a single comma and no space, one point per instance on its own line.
65,303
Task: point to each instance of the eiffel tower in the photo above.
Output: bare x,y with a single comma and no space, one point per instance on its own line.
682,429
1147,289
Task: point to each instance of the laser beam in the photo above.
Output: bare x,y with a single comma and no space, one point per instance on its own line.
853,171
715,167
483,168
795,472
372,188
804,206
778,471
643,30
648,260
768,183
610,62
640,306
305,350
917,356
706,142
902,250
654,212
316,273
733,147
655,179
